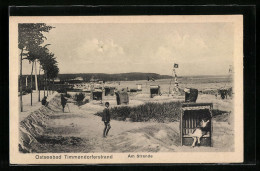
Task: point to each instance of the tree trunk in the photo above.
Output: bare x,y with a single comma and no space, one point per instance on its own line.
51,90
39,89
47,86
21,87
36,81
31,82
48,82
26,81
44,85
52,85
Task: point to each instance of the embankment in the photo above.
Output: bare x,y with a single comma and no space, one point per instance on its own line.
33,126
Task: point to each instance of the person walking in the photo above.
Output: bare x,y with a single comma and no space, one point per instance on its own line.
106,120
63,102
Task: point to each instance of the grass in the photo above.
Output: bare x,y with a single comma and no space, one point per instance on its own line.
160,112
79,98
216,112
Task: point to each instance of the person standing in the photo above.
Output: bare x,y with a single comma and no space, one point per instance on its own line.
63,102
106,120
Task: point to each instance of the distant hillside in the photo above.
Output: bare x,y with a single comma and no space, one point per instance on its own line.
114,77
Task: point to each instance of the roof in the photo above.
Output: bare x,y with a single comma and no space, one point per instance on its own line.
154,86
196,104
97,90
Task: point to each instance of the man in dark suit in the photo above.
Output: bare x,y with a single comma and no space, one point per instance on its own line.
63,101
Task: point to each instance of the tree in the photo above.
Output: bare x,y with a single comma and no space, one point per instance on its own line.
50,67
32,57
29,35
36,52
39,53
52,70
52,73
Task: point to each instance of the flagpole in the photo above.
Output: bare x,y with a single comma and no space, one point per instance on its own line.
175,79
170,83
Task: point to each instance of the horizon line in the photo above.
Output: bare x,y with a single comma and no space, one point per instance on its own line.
143,73
148,73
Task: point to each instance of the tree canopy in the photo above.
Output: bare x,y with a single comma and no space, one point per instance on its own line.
31,34
31,38
50,66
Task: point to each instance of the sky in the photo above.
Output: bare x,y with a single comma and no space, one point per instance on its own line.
198,48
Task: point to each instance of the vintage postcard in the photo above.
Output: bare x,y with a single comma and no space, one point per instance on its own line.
126,89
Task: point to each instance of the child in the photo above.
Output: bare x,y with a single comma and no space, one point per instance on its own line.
106,120
200,131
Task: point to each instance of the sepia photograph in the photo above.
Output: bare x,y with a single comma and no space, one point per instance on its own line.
126,89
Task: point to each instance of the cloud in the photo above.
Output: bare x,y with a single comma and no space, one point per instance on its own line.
181,47
164,54
100,51
116,48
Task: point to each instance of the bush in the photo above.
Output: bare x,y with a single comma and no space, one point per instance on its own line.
67,95
79,97
160,112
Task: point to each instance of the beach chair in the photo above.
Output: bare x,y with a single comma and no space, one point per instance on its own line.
107,91
191,94
191,115
97,94
122,97
154,90
139,87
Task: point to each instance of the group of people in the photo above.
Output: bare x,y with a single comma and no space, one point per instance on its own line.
105,117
